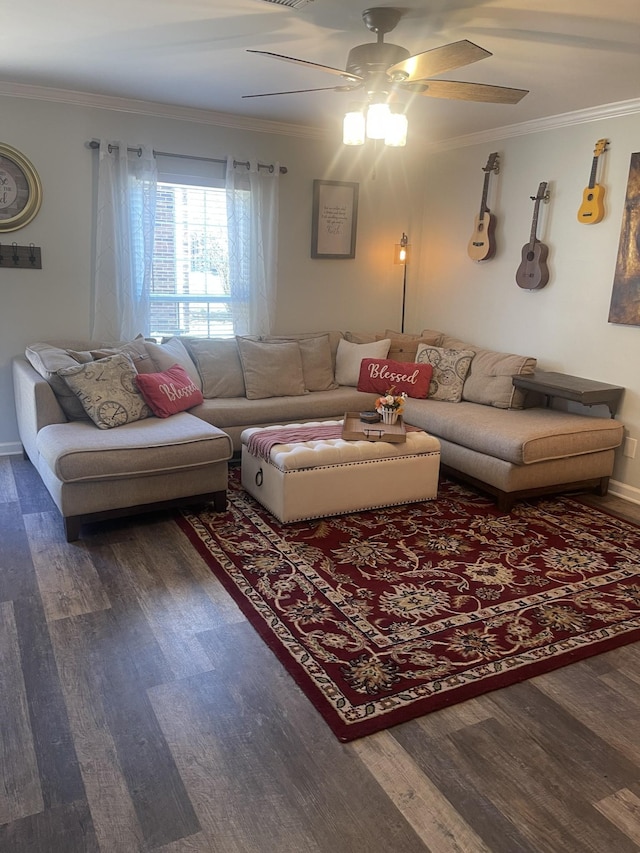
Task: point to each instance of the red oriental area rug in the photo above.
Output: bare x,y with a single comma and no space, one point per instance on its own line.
385,615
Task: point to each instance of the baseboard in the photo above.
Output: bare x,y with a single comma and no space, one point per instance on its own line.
11,448
627,493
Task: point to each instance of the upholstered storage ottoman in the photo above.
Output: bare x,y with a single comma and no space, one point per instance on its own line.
319,477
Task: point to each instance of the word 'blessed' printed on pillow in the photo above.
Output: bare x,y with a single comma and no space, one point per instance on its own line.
379,375
169,392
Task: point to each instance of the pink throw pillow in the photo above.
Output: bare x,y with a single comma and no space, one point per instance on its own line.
169,392
379,375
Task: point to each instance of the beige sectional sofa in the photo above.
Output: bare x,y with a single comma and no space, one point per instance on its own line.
489,437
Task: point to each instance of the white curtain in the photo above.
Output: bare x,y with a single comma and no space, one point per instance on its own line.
252,221
125,220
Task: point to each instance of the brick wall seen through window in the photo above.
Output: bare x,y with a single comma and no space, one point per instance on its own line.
190,290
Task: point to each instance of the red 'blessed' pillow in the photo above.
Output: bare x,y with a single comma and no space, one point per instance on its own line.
379,375
169,392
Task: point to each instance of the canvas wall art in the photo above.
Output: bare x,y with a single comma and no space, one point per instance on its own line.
625,298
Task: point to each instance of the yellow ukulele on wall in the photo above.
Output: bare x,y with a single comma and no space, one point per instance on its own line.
482,245
592,207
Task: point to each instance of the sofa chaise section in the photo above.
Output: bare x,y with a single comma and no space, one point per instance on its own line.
517,453
95,474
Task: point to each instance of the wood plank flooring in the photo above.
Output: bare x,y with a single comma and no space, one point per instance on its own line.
139,711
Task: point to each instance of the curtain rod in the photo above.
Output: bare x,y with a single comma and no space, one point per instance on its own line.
95,143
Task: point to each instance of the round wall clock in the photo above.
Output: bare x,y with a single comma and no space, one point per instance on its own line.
20,189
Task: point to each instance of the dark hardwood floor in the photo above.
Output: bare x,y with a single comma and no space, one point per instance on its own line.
140,712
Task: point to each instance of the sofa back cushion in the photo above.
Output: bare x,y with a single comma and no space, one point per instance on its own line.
47,360
490,376
318,364
219,366
271,368
171,352
49,357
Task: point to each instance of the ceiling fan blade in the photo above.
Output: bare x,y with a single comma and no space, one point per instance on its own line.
353,78
473,92
300,91
437,61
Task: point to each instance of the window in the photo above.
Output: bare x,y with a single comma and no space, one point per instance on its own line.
190,281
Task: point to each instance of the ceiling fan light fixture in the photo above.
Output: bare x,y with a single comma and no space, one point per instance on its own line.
377,120
353,126
396,130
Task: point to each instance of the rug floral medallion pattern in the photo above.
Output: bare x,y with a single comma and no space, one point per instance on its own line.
385,615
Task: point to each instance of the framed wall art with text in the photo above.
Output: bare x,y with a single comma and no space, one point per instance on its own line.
334,220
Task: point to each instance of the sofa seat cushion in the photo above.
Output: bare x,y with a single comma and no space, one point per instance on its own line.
519,436
234,412
79,451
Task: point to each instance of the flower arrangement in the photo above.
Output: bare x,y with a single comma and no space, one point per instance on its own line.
390,402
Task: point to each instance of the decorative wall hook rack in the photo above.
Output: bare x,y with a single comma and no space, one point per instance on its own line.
17,257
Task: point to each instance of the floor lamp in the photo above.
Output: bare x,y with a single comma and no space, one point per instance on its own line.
401,256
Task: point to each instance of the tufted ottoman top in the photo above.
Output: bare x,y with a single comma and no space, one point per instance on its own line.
315,453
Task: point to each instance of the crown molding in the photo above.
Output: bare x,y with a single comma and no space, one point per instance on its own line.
605,111
211,117
157,110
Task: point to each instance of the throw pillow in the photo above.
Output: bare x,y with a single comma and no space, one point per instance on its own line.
362,337
404,347
271,368
171,352
219,366
47,360
380,375
433,337
450,368
169,392
107,390
349,358
490,377
136,349
317,363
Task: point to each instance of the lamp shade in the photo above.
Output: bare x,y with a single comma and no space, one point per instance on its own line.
377,120
396,130
401,251
353,127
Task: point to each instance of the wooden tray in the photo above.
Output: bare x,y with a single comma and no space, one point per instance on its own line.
353,429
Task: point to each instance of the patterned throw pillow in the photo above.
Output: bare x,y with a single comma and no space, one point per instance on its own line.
169,392
450,368
107,390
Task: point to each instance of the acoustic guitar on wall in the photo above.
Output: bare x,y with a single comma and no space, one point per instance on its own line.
592,207
481,246
533,272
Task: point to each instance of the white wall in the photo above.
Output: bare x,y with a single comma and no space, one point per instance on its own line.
55,302
433,197
565,325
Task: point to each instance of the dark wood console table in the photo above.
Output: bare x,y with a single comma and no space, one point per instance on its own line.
585,391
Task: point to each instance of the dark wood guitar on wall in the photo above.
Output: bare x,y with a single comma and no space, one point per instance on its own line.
592,207
482,244
533,272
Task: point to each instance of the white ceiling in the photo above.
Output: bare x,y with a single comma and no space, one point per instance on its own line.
570,54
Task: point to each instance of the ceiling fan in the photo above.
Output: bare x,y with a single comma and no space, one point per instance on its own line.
382,70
